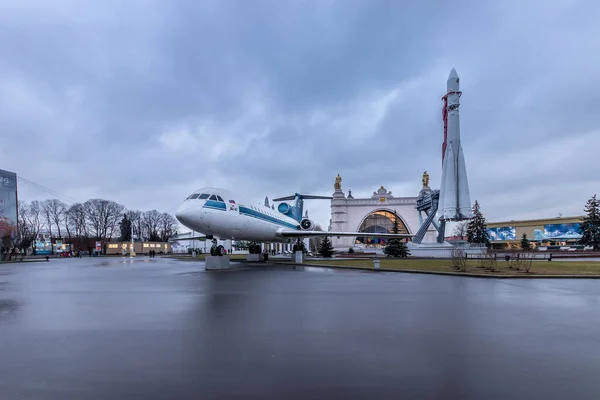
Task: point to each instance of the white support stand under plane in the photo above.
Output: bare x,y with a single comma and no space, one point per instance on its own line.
255,257
297,257
215,263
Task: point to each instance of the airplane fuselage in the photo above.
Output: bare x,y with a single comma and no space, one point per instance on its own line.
225,215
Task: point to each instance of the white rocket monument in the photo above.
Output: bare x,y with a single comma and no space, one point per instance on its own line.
455,202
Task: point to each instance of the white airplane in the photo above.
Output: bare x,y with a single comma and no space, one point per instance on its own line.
220,213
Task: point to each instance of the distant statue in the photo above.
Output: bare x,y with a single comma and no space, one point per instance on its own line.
425,179
338,183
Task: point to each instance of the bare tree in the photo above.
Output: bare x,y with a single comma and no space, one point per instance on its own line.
459,261
47,215
113,217
68,225
34,217
151,222
30,222
102,217
78,225
168,226
26,230
56,209
488,260
22,223
461,229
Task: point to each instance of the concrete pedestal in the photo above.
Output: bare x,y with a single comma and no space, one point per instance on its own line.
214,263
435,250
255,257
438,250
297,257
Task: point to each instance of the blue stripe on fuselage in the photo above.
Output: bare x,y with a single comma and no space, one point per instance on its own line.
215,204
257,214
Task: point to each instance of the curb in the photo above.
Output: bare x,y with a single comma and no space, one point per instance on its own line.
22,261
457,274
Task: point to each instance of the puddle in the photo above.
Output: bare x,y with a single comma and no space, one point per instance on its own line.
8,308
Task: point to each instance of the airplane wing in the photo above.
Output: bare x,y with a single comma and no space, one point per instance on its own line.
290,233
187,238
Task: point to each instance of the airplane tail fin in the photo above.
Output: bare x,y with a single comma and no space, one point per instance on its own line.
295,211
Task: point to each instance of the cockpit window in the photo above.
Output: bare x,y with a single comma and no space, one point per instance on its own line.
220,199
203,196
194,196
213,197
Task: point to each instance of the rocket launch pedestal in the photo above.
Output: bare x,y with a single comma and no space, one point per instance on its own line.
452,202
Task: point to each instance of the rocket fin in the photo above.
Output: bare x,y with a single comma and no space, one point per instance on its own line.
464,197
448,191
442,197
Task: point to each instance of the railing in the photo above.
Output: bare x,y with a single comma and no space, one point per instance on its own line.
509,256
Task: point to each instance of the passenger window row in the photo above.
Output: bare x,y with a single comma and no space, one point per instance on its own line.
265,212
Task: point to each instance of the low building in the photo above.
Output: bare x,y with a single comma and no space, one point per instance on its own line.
560,231
183,243
138,247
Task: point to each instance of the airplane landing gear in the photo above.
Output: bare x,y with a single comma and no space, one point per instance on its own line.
254,248
216,250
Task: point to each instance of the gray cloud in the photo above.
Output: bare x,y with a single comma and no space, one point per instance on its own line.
145,102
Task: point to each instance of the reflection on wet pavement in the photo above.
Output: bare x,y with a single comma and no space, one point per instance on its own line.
135,328
8,308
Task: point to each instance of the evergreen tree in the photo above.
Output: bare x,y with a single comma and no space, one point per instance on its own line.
125,227
395,247
326,249
525,243
590,227
477,229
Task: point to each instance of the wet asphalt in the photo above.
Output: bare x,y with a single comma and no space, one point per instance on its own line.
113,328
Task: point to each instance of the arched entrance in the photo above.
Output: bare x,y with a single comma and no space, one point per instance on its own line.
379,221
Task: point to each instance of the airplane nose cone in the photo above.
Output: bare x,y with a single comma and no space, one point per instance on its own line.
188,215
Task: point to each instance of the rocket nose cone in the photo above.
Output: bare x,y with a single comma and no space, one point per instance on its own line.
453,81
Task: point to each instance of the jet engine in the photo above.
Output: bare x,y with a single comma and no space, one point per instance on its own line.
307,224
284,208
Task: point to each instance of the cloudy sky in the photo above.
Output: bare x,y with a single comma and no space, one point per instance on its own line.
143,102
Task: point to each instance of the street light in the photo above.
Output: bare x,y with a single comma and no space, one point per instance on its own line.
132,252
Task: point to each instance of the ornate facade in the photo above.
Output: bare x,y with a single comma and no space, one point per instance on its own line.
375,214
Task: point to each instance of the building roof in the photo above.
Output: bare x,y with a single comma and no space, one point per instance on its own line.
540,221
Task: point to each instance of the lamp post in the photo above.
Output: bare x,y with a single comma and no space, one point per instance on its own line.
132,252
193,245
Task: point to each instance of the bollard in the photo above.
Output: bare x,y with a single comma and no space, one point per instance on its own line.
376,264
